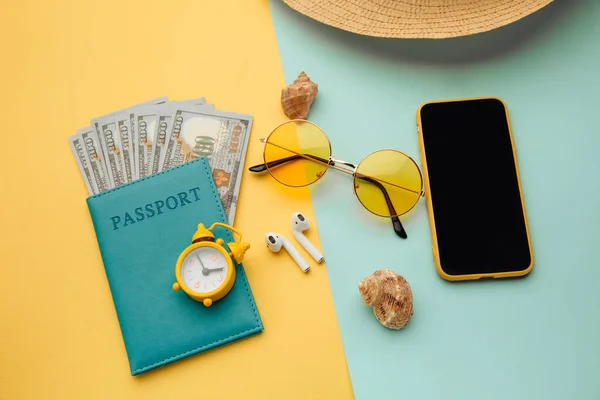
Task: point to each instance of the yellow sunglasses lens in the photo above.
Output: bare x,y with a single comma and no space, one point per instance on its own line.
297,153
388,183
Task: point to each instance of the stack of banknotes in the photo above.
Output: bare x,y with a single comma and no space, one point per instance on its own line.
151,137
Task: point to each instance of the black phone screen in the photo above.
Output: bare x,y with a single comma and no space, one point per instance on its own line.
473,179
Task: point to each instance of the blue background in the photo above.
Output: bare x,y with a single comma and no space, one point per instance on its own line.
536,337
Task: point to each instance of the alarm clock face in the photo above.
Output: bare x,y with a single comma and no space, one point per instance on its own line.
204,269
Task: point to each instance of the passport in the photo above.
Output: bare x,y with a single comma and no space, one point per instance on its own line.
142,227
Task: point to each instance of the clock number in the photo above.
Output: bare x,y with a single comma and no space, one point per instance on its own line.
214,257
191,262
197,284
220,278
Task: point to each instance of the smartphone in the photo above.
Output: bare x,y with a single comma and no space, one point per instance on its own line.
474,197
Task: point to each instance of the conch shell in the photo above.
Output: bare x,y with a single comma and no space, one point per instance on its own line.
297,98
390,296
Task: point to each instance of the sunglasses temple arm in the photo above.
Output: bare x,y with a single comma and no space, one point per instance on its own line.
398,228
275,163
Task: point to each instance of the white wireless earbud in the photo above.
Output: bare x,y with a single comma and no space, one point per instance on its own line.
275,242
300,224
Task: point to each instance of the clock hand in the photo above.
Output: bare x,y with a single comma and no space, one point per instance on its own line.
215,269
205,271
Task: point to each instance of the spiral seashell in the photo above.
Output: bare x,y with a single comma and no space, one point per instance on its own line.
297,98
390,296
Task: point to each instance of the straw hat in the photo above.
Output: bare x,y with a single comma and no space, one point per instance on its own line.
417,18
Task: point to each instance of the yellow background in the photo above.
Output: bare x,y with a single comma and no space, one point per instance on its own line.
64,62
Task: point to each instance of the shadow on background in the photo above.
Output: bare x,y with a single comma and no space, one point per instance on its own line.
467,49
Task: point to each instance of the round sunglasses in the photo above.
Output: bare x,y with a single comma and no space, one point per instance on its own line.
387,182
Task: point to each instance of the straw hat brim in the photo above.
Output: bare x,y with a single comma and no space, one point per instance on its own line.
435,19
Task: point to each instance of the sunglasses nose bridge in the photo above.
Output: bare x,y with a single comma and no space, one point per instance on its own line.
342,166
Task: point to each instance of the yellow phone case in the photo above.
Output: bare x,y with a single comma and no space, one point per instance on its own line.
435,248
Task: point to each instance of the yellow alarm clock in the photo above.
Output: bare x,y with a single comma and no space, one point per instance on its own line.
205,269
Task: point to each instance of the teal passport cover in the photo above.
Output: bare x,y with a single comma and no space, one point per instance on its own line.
142,227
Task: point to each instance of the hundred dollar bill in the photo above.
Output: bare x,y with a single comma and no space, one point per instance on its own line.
144,121
84,164
134,141
92,149
110,141
220,136
124,130
163,126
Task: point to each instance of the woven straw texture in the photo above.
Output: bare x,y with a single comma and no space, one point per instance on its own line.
435,19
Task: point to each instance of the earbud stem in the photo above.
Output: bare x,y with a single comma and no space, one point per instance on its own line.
312,250
296,256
